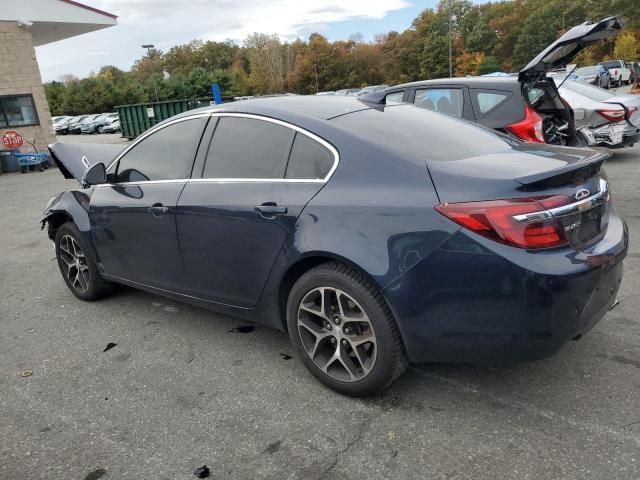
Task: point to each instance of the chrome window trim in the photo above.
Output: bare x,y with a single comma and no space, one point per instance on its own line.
151,131
593,201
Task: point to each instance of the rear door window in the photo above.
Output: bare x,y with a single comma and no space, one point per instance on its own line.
442,100
309,159
248,148
488,100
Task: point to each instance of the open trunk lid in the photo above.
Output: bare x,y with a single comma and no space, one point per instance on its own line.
565,185
74,159
564,49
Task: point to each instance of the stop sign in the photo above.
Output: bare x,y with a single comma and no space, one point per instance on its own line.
12,140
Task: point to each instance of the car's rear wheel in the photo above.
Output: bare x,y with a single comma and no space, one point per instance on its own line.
77,265
343,330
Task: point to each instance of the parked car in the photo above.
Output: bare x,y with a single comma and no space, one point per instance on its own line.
597,75
75,128
63,127
620,73
59,118
95,124
330,219
323,94
348,91
372,89
526,106
634,68
111,127
603,117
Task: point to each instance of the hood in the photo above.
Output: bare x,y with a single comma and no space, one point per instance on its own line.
563,50
74,159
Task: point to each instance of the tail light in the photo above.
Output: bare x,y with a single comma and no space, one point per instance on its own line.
530,128
496,220
631,111
612,115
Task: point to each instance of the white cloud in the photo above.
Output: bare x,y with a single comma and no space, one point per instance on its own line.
166,23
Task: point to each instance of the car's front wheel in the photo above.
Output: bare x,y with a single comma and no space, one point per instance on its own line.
343,330
77,265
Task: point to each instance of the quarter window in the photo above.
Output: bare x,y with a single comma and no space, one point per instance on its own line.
18,111
248,148
443,100
309,159
487,101
166,154
395,97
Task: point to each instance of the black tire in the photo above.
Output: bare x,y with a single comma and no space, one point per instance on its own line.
96,286
390,357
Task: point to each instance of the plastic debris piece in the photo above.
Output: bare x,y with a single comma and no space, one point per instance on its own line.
109,346
202,472
26,373
243,329
96,474
285,356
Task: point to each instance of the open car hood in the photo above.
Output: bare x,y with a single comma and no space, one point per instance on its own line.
74,159
564,49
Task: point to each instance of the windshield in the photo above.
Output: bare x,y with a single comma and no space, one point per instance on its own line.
589,91
587,71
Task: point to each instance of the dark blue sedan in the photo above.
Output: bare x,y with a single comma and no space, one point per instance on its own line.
375,235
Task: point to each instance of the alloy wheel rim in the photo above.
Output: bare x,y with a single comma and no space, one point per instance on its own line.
75,263
337,334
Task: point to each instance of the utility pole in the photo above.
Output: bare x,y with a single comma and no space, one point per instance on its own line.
153,69
450,55
315,68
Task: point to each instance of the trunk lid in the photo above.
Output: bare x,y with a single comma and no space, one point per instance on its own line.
74,159
570,178
564,49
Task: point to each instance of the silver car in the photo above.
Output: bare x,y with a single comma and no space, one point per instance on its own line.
603,117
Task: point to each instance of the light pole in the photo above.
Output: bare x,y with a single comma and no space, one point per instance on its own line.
153,69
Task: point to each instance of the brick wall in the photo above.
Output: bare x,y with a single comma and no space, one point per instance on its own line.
19,74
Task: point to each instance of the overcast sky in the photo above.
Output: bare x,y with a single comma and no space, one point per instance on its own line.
166,23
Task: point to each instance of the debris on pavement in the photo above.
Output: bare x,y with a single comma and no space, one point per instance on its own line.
615,304
242,329
109,346
202,472
96,474
26,373
285,356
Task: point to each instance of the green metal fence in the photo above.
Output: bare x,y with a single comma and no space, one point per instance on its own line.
135,119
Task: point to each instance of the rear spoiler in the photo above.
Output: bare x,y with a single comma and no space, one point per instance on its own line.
574,172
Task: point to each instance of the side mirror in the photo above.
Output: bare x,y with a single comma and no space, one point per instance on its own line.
96,175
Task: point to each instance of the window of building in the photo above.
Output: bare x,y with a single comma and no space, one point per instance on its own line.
18,111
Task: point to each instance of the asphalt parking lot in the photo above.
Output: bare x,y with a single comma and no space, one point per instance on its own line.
180,390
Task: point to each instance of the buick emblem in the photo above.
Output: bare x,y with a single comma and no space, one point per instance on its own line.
582,193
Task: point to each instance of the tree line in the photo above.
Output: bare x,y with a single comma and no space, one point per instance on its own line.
496,36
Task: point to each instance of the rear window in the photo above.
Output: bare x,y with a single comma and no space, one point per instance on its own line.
308,159
612,64
422,134
589,91
587,71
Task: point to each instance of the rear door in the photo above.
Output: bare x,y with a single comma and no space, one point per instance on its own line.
133,216
258,175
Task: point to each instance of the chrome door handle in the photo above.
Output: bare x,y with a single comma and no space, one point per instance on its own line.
157,210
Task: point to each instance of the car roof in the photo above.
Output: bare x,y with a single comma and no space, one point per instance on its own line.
290,108
476,82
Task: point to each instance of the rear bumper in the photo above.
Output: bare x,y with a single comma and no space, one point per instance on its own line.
475,301
616,134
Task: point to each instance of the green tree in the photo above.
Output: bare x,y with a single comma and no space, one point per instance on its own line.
539,30
625,47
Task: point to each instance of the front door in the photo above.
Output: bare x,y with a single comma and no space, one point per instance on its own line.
133,218
257,177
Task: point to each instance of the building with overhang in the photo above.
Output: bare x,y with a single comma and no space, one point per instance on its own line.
24,25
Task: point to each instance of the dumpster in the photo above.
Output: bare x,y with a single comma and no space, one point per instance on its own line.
8,161
136,118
